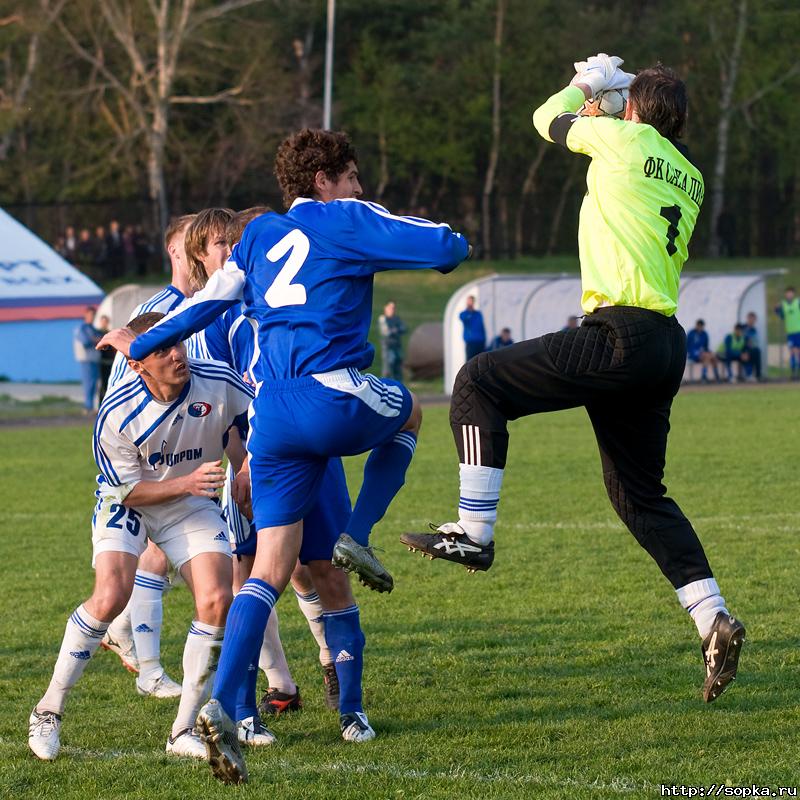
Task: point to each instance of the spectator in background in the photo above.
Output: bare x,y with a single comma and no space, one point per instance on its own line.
752,346
572,323
115,249
732,350
128,250
84,339
699,352
392,330
474,330
85,249
502,340
106,360
789,311
141,249
70,245
101,252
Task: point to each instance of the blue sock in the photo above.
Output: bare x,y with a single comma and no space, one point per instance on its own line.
244,632
384,475
246,695
346,642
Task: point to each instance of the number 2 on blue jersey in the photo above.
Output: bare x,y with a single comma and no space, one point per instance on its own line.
282,292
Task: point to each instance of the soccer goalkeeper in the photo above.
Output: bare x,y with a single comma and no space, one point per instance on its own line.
624,364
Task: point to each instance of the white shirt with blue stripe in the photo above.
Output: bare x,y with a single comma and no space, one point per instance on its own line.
138,438
162,302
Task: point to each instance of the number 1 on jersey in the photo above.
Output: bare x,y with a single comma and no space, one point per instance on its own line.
672,214
282,292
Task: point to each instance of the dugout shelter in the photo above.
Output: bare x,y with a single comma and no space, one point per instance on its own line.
532,305
42,300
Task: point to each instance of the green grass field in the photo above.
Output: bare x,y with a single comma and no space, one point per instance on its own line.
568,670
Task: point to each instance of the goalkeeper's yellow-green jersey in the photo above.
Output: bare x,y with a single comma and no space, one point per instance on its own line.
640,209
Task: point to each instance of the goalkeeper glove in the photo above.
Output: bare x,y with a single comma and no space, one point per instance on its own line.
596,72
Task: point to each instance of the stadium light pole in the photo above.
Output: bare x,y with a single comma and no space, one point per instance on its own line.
326,112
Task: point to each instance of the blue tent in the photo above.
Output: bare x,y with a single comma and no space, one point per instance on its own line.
42,300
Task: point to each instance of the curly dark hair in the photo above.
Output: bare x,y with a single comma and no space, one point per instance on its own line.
303,154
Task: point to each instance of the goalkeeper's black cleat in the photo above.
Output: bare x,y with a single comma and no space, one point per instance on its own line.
721,650
449,541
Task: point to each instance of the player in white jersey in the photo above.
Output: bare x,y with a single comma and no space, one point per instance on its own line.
158,444
135,635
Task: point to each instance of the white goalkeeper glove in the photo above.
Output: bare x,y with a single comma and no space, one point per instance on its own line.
597,71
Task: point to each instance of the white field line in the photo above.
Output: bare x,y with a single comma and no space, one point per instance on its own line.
617,785
751,521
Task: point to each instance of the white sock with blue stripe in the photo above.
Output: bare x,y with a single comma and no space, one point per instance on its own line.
82,637
384,476
147,614
200,657
477,504
312,610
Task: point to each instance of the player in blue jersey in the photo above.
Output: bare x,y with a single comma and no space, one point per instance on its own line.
135,635
306,279
158,442
230,338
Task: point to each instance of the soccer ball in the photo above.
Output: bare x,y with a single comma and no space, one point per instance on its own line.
609,103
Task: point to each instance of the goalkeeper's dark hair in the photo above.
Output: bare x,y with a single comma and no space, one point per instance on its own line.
659,97
303,154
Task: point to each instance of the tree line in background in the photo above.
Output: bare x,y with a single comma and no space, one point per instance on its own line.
164,106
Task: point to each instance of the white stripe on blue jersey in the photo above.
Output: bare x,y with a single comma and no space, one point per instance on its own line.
138,438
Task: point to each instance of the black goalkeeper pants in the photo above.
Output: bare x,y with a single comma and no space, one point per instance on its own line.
624,365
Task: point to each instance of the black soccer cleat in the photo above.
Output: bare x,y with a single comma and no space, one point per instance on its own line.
274,702
331,680
721,650
449,541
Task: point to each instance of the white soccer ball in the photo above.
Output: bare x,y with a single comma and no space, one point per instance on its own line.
608,103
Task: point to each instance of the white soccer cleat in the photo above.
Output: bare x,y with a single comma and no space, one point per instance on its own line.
356,727
43,734
187,744
251,732
124,647
162,687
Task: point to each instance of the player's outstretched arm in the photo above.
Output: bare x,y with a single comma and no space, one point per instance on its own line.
223,290
205,481
388,241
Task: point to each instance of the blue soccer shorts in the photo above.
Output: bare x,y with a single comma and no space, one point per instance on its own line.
793,339
322,526
298,425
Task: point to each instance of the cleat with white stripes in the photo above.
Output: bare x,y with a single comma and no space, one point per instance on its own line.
721,650
251,732
43,734
450,542
350,556
355,727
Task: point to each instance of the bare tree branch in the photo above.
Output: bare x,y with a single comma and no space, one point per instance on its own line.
219,97
219,10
